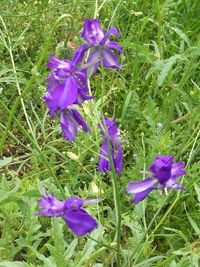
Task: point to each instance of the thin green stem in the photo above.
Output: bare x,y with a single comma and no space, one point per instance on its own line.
9,48
114,13
116,198
159,28
32,79
144,168
116,194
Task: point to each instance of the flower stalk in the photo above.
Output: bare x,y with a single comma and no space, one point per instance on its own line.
114,175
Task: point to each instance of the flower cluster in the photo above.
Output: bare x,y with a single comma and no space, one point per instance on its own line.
67,82
67,90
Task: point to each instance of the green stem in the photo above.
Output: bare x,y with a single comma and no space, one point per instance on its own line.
116,194
159,28
36,146
9,48
32,79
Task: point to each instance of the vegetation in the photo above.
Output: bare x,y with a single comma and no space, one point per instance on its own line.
155,99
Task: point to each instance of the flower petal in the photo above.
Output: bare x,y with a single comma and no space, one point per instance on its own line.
118,160
104,164
54,63
83,97
114,45
79,119
92,32
172,183
69,128
93,61
79,54
177,169
161,168
51,105
79,221
61,95
142,195
55,90
113,131
109,59
73,202
51,207
137,187
69,94
112,30
81,78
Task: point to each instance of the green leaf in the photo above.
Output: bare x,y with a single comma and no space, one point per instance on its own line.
197,191
181,34
58,250
150,261
5,162
9,196
193,223
164,66
70,249
126,103
183,251
88,249
47,262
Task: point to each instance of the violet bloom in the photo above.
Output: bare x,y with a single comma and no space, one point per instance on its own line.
101,46
164,174
77,219
67,84
116,149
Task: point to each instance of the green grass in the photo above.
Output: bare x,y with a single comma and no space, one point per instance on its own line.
156,102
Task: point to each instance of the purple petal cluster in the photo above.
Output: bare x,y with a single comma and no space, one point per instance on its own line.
67,81
101,48
115,150
164,174
77,219
67,87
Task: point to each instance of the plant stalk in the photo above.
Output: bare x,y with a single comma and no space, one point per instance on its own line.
116,193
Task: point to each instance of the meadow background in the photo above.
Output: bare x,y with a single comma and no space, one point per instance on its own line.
156,102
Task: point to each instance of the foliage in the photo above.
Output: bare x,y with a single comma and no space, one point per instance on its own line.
155,99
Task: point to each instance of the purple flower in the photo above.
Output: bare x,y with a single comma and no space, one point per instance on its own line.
101,46
116,149
164,174
67,84
77,219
